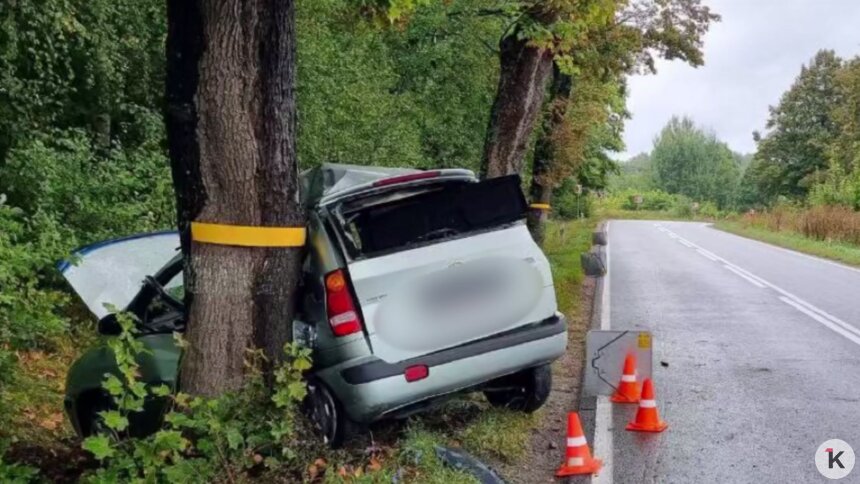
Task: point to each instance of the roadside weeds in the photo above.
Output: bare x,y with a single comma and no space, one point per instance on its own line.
837,251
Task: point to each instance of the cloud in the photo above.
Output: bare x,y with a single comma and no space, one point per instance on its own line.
751,58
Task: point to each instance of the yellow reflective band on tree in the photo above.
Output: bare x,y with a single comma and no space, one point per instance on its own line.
248,236
540,206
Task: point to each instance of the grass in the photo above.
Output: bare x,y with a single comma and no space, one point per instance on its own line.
565,241
838,251
34,399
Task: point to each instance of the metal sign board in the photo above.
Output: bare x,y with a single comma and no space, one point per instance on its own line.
604,358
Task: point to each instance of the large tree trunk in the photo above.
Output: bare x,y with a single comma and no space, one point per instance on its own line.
543,166
231,122
522,83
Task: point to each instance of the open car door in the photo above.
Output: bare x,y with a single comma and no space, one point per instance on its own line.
112,272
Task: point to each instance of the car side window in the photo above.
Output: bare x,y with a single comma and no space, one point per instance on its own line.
176,287
158,307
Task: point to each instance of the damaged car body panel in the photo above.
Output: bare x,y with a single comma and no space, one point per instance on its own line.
416,285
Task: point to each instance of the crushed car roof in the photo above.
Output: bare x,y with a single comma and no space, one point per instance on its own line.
330,179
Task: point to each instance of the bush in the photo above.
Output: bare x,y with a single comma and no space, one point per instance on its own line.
29,306
837,189
202,438
568,205
95,197
654,200
709,210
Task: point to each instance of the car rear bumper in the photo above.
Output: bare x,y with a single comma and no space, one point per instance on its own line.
373,388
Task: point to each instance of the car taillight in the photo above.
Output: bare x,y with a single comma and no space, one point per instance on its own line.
405,178
340,308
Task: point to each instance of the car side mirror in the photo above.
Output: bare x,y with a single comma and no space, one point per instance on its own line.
109,326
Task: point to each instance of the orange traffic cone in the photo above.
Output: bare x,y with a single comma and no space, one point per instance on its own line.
628,390
647,418
577,457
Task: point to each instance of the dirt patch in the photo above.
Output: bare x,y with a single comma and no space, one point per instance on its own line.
547,443
62,461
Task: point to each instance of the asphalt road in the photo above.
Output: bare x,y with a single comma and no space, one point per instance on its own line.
763,352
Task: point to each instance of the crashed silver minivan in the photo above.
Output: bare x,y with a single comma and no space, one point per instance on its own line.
416,285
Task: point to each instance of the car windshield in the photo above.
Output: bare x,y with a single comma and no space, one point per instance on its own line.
390,222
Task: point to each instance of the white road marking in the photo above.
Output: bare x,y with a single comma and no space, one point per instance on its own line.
685,243
825,322
603,447
793,252
749,279
825,314
828,320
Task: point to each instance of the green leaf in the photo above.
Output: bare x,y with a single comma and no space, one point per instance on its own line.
234,438
297,390
160,390
99,445
302,364
114,420
113,385
170,440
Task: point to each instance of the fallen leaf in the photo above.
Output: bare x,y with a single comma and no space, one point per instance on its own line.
374,465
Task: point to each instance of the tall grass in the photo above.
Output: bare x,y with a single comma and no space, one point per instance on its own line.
825,223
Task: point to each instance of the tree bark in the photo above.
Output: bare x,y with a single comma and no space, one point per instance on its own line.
542,183
231,123
522,83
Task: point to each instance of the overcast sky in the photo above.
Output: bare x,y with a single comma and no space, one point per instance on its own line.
751,58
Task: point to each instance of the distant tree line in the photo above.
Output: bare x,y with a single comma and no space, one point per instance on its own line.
686,160
809,153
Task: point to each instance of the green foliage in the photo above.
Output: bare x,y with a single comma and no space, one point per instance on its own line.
690,162
415,96
202,438
633,174
80,147
16,473
650,201
28,315
592,127
811,151
569,205
794,151
93,196
79,64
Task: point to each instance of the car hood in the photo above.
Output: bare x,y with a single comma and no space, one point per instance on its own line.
112,272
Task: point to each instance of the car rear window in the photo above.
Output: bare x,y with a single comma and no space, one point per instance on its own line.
435,213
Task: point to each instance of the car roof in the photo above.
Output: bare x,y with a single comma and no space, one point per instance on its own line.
328,181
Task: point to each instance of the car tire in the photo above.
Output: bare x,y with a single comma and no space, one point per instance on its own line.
524,391
327,415
90,405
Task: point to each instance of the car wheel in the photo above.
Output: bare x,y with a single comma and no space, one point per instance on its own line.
91,405
524,391
327,415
